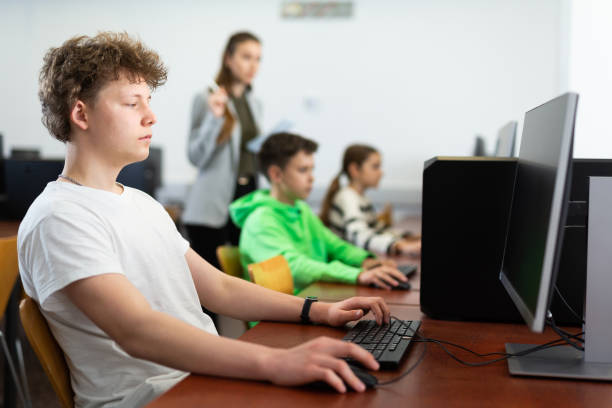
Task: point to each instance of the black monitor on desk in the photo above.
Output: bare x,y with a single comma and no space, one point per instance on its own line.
24,181
532,253
144,175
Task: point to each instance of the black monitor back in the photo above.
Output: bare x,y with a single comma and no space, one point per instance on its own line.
24,180
144,175
479,146
25,154
466,202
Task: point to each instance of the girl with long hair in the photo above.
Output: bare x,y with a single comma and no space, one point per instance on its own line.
349,213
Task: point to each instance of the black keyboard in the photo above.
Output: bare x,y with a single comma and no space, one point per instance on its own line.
388,343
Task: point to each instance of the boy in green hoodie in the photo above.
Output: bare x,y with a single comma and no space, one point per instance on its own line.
278,221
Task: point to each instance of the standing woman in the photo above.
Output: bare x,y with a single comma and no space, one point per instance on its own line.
223,121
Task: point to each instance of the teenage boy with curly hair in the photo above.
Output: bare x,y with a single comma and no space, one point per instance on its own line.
120,288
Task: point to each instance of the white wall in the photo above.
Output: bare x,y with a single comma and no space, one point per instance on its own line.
415,78
590,74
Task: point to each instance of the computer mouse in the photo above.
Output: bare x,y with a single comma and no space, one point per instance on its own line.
407,271
400,286
366,378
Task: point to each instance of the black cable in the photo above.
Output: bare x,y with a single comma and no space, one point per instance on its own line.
565,339
562,333
568,334
505,356
567,304
553,343
412,367
408,370
497,353
467,363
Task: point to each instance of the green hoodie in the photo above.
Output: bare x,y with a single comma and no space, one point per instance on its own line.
314,253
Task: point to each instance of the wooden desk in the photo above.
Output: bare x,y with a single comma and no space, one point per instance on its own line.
333,292
437,382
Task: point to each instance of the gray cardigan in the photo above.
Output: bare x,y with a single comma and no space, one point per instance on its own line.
212,192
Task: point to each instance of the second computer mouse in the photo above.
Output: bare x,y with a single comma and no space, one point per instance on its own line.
408,271
366,378
400,286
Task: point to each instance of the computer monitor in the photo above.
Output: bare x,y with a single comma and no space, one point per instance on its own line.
479,146
535,236
506,139
144,175
24,154
25,180
539,208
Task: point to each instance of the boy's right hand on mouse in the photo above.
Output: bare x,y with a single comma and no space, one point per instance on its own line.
217,102
383,276
317,360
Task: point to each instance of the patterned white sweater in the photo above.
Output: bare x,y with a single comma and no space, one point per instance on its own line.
352,216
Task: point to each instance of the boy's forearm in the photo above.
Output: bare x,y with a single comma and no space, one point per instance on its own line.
246,301
171,342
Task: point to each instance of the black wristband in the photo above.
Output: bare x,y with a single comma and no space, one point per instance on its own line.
304,316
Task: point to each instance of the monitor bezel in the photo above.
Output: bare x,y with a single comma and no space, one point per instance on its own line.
535,320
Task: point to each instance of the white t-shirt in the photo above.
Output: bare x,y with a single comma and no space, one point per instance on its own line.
73,232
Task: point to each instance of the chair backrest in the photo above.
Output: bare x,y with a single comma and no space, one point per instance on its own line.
273,273
48,351
229,259
9,270
386,215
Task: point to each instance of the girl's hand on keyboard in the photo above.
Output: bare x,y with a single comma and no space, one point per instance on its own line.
317,360
355,308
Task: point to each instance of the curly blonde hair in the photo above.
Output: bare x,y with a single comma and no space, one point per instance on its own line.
82,65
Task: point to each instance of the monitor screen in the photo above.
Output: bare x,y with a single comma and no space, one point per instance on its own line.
539,207
506,137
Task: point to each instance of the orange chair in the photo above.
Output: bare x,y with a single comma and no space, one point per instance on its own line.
229,259
273,273
49,354
9,271
386,215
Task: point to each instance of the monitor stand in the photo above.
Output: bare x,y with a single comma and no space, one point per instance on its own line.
595,363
